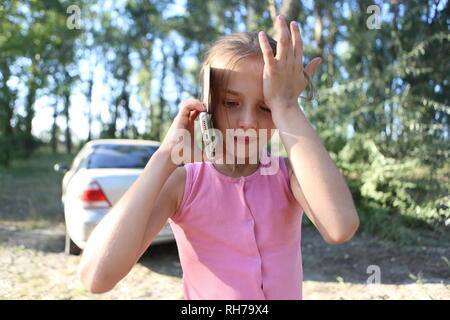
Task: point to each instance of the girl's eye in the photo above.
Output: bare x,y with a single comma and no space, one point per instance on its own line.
265,109
230,104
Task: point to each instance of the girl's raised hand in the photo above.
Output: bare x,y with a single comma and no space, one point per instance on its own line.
183,123
283,76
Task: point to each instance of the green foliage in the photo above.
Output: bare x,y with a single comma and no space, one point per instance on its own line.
382,111
379,178
387,191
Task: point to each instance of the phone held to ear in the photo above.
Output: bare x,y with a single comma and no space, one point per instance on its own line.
206,127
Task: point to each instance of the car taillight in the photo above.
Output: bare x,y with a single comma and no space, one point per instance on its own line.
93,197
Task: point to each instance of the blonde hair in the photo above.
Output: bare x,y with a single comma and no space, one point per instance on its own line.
231,49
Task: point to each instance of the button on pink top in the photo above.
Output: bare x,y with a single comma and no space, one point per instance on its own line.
239,238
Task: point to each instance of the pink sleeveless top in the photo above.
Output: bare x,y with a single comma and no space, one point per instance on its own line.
239,238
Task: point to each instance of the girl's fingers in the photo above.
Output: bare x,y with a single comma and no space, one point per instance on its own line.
312,66
297,43
266,49
190,105
283,39
193,115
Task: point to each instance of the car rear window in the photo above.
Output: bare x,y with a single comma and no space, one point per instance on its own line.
119,156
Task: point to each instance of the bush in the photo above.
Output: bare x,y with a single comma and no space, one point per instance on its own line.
386,192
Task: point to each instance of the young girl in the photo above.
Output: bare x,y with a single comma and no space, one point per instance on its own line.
238,231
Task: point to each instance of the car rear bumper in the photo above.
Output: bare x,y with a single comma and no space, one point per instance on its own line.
81,222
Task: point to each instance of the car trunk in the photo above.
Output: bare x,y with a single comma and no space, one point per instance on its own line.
114,182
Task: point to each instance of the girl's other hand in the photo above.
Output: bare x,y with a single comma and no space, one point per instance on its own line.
283,76
184,120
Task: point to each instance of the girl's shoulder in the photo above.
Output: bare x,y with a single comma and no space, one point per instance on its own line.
178,181
181,184
287,165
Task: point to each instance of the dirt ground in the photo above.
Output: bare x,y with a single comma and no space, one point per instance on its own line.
34,266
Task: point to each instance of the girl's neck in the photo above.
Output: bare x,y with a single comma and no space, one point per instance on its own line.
236,170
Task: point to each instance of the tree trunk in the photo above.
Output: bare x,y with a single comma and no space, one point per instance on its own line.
178,72
54,131
113,124
273,10
162,100
89,113
291,10
125,95
29,103
7,99
318,26
250,20
331,39
68,135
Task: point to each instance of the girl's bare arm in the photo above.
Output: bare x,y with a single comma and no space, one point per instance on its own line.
125,232
117,241
316,182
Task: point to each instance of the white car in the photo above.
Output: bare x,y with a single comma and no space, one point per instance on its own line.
100,174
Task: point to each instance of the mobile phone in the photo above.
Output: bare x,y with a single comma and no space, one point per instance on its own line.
206,127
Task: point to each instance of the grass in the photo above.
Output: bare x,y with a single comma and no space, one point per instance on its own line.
30,191
403,229
418,278
30,198
339,279
447,263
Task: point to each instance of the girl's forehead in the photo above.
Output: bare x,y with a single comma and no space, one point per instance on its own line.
247,69
246,81
245,63
247,75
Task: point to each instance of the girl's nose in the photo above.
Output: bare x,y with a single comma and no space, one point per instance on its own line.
247,119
